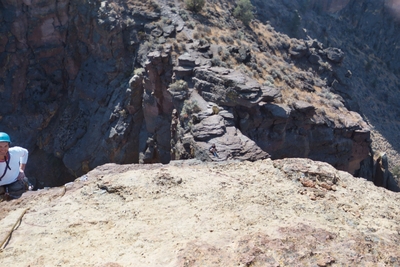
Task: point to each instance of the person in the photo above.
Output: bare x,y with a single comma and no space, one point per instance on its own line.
12,166
213,150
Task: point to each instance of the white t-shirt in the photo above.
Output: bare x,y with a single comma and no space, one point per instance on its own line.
17,155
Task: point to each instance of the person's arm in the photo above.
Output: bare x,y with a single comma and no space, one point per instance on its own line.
24,157
23,161
21,174
22,166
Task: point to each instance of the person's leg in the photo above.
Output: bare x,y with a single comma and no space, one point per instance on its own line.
2,193
16,189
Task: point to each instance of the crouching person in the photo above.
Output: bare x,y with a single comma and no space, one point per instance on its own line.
13,182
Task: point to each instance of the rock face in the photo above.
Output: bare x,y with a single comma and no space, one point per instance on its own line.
81,86
374,22
65,68
290,212
376,169
283,130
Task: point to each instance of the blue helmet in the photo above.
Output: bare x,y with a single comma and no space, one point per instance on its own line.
4,137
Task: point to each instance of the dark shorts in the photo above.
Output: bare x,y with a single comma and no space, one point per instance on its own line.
14,190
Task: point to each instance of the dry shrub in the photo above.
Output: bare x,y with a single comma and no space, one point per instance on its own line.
175,46
181,37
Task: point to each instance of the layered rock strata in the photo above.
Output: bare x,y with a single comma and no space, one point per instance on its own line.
82,85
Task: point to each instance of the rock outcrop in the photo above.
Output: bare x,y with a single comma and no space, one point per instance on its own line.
282,129
376,169
290,212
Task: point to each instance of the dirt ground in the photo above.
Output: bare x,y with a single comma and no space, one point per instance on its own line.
292,212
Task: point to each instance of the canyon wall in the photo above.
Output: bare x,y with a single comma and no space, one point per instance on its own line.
80,86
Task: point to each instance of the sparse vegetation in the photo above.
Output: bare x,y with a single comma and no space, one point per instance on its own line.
225,54
396,171
230,40
189,107
182,47
155,6
239,35
183,14
216,61
181,37
196,35
195,5
204,28
191,25
244,11
276,74
203,41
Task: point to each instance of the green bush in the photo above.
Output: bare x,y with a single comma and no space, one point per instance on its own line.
191,25
244,11
183,14
195,5
189,107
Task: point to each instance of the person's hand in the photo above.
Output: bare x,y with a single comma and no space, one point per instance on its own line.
21,175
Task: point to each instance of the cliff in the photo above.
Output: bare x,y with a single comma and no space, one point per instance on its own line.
87,83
